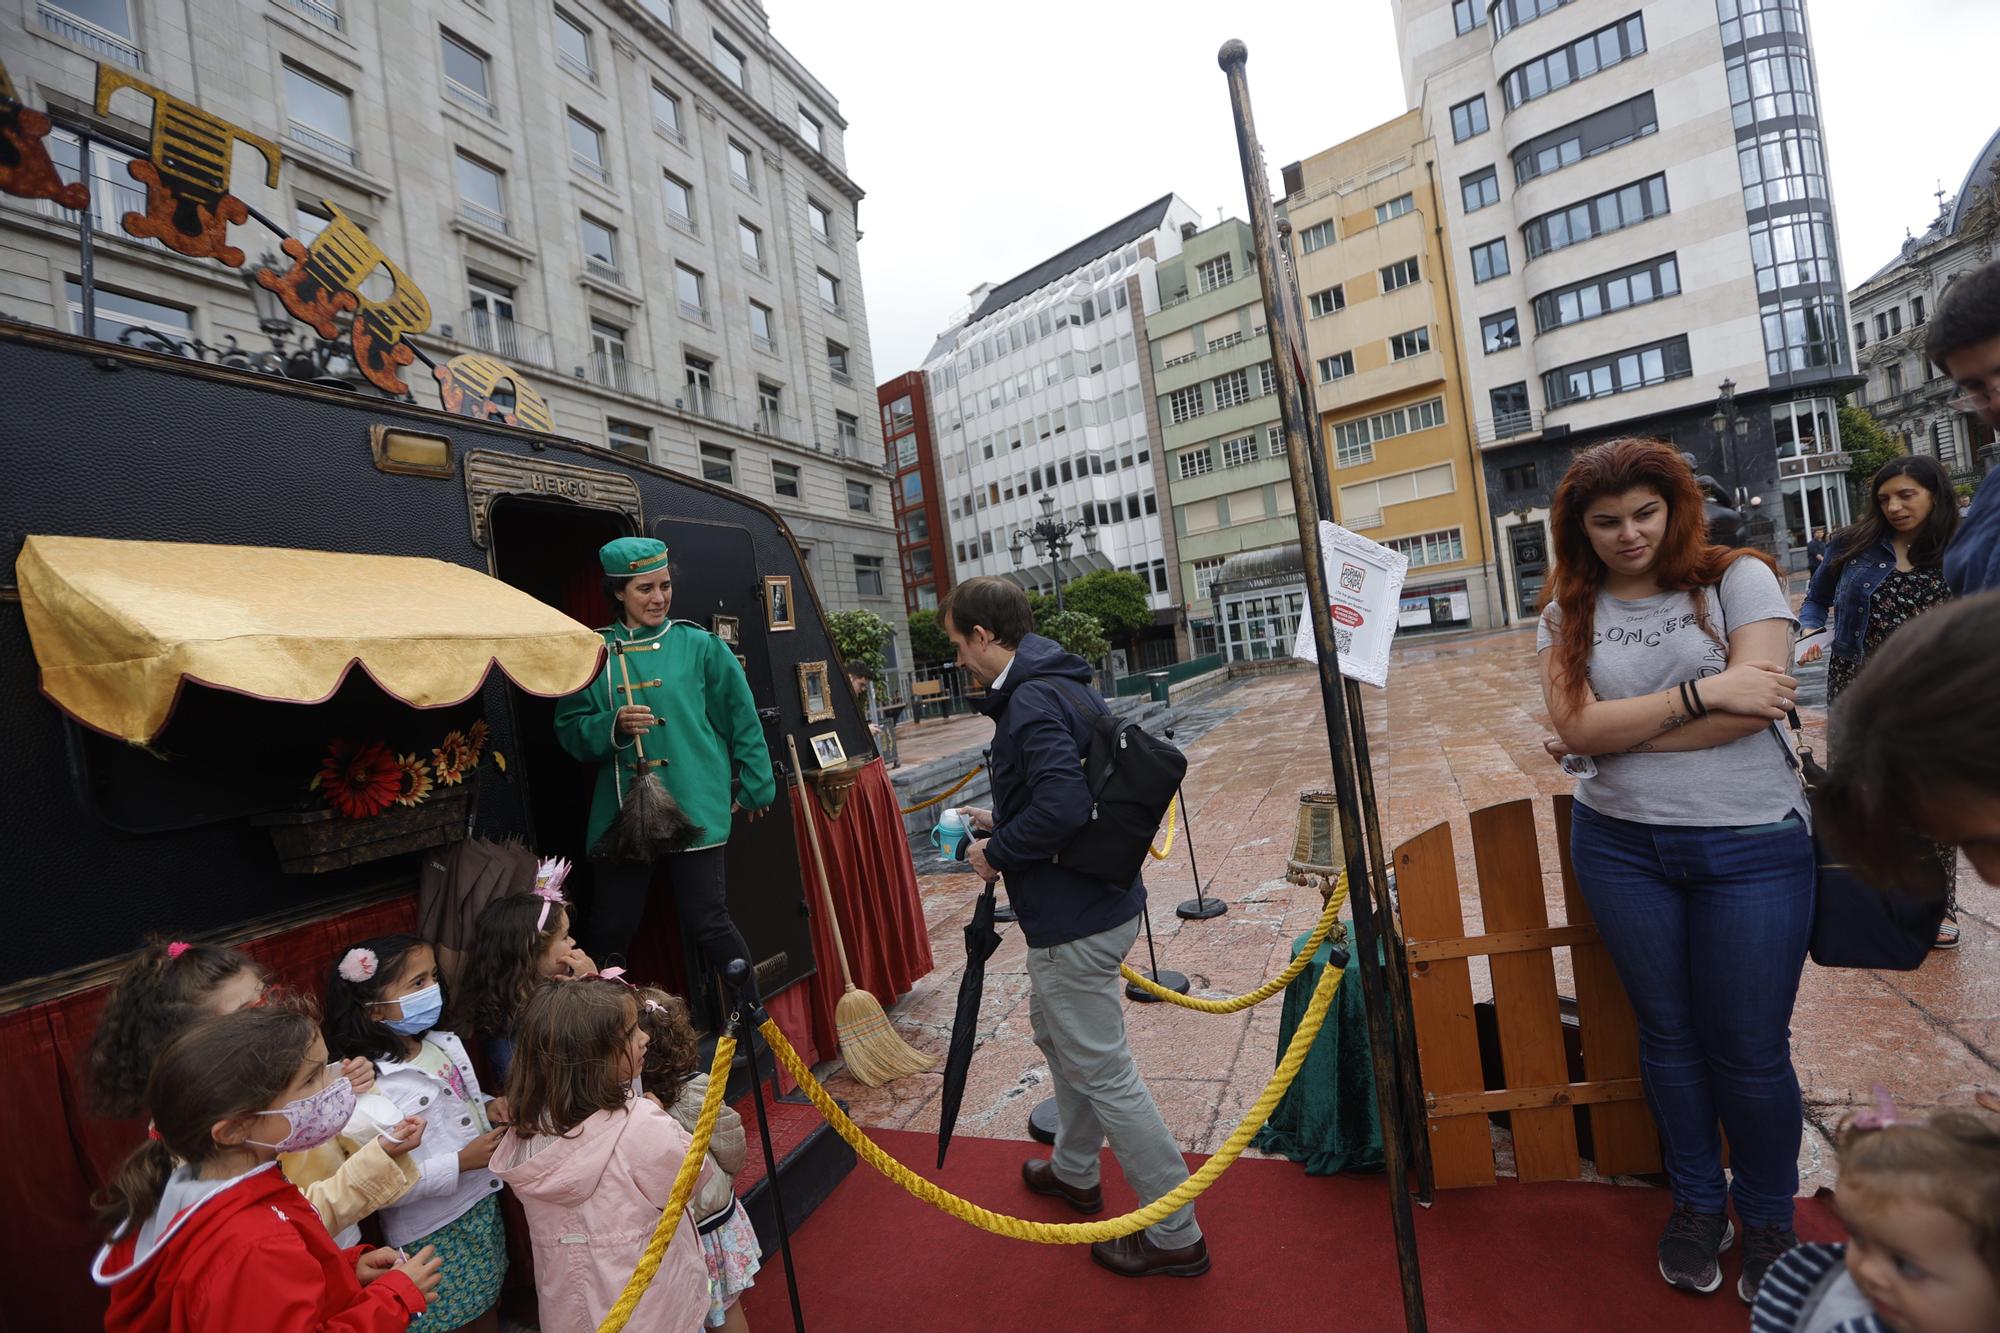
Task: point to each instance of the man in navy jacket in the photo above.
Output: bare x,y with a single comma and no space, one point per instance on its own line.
1964,342
1078,929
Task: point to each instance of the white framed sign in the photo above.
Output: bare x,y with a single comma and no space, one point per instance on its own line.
1364,584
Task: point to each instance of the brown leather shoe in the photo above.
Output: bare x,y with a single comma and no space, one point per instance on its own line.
1041,1176
1135,1256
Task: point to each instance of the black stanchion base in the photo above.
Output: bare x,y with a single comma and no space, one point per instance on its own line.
1044,1120
1176,982
1003,912
1201,909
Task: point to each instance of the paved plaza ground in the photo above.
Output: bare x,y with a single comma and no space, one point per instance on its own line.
1460,727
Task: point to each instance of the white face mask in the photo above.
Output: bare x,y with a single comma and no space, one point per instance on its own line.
638,1086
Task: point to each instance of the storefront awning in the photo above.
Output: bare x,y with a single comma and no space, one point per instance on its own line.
117,626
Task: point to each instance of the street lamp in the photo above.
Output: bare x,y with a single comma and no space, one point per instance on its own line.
1731,428
1050,538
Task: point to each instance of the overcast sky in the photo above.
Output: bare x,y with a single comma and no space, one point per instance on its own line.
989,137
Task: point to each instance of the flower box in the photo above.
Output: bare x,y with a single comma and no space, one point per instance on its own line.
310,842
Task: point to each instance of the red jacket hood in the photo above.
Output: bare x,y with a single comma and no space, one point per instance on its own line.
142,1264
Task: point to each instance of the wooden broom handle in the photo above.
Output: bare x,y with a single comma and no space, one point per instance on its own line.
625,674
819,863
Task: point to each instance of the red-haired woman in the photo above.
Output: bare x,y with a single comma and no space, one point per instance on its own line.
1660,662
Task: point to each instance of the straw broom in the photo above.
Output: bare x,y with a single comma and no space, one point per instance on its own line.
650,820
873,1051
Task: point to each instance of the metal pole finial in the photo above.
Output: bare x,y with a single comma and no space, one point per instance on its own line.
1233,55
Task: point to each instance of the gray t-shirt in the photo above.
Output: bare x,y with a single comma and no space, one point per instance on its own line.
1653,644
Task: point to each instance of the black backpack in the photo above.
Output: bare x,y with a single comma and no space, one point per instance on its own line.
1132,776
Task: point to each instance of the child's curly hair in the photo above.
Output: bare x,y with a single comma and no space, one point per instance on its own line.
1951,1160
671,1060
352,1027
162,992
503,967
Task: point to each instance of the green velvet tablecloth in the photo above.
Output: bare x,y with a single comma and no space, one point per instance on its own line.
1327,1119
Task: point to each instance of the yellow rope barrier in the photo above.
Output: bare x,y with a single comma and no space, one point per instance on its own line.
1165,849
1070,1233
677,1201
1264,992
946,794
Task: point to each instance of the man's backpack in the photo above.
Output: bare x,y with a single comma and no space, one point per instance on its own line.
1132,777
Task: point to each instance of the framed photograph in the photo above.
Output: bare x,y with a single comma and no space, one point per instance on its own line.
814,695
778,612
743,662
827,749
726,630
1364,582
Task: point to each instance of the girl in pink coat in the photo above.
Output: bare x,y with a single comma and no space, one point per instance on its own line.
594,1164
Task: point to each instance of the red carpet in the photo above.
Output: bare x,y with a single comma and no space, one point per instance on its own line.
1291,1251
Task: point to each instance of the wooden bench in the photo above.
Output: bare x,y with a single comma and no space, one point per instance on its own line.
927,692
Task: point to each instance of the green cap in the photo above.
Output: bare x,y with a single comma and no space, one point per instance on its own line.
629,557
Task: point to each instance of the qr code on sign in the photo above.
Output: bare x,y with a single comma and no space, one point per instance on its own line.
1343,640
1351,577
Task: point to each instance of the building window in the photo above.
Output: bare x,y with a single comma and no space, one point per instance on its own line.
607,356
1316,237
1227,340
750,240
1336,367
785,479
117,312
99,24
573,46
1613,127
1636,284
1365,500
1518,477
821,220
1354,441
829,290
770,408
1239,451
1489,261
760,327
1231,389
1618,372
318,115
860,497
729,60
628,439
1468,118
1499,332
1267,378
1860,335
1430,548
1611,211
1916,310
600,248
1395,208
1511,415
868,575
482,195
1186,404
1325,302
810,131
688,290
1781,167
836,360
663,10
680,200
700,385
666,111
1769,83
1894,379
739,165
586,148
1197,462
1511,14
1217,272
466,76
1205,572
1399,274
718,464
1888,323
1416,342
1479,190
1579,59
847,427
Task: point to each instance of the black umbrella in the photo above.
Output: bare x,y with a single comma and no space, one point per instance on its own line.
980,942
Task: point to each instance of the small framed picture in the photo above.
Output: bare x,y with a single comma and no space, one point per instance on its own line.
743,662
814,696
726,630
778,611
827,749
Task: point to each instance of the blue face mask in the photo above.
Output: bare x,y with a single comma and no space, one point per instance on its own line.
421,1011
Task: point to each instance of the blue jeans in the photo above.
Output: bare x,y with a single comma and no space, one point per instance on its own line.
1708,930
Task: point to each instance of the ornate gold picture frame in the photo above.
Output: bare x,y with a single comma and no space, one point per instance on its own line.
815,694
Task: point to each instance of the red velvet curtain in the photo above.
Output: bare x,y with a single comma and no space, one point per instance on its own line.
58,1155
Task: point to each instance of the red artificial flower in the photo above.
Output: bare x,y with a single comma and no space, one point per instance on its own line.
360,780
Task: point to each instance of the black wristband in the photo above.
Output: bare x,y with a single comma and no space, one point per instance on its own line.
1694,689
1687,704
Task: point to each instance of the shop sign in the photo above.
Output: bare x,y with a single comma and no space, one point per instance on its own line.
1364,583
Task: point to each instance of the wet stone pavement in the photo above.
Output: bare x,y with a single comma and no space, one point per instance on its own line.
1460,727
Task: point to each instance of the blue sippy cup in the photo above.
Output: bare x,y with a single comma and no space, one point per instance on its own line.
952,833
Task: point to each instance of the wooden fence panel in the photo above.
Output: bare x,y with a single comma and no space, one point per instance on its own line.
1441,1005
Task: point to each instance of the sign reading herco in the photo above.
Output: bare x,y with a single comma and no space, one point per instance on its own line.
490,475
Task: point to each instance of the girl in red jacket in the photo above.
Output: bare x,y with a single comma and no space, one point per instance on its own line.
209,1234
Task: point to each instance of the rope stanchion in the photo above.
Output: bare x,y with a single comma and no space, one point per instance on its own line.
1249,999
663,1234
1069,1233
1165,849
944,795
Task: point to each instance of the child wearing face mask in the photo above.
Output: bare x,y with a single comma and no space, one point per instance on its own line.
593,1162
384,1000
519,942
208,1234
1921,1200
172,985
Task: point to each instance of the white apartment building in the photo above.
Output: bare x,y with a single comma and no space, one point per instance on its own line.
641,205
1040,391
1639,211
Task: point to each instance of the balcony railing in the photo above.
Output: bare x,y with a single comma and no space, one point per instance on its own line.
581,67
467,97
778,426
111,198
1506,425
323,144
604,268
483,216
617,373
595,170
89,36
326,15
516,344
704,401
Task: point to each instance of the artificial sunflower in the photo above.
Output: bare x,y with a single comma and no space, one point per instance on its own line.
416,780
475,743
360,780
449,760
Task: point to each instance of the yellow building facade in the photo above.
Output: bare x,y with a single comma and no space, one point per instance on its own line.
1387,351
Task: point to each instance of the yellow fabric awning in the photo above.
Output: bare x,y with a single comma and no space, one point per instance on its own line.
118,625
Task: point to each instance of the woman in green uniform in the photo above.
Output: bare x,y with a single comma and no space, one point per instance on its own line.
692,704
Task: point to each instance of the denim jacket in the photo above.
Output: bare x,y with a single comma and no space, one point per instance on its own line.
1847,595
